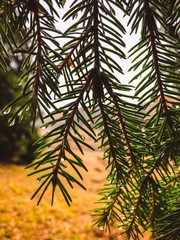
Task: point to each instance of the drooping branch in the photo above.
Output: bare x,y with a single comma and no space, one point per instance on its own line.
70,122
96,34
121,120
38,59
107,130
153,34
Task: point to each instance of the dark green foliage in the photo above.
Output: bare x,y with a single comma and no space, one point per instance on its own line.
16,143
16,140
76,85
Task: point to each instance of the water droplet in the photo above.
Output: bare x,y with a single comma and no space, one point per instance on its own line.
120,228
43,127
6,111
132,211
62,159
99,148
159,191
19,83
12,123
143,129
101,228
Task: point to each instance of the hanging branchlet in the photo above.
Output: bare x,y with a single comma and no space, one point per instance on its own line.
121,120
154,37
96,34
34,8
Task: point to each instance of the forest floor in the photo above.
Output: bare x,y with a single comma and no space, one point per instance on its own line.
21,219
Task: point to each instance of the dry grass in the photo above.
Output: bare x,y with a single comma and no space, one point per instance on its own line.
21,219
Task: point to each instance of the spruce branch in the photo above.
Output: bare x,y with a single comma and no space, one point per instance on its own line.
70,122
121,120
96,34
38,62
154,35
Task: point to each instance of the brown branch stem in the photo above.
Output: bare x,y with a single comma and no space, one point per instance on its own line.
107,129
152,24
96,35
121,120
71,119
38,56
